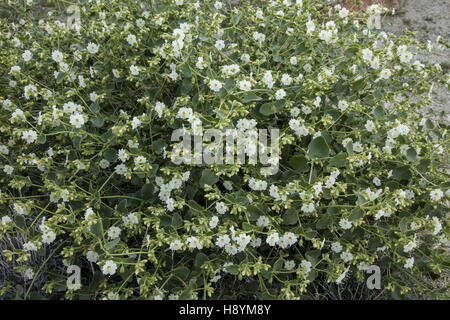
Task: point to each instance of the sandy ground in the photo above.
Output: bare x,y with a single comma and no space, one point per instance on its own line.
430,19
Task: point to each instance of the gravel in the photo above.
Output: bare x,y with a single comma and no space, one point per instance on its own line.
430,19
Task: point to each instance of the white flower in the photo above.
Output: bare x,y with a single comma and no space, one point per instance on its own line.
347,256
123,155
184,113
135,123
257,185
176,245
385,74
437,225
221,208
310,27
376,181
220,44
370,126
27,55
245,57
293,61
410,246
8,169
280,94
436,194
159,108
77,120
6,220
308,207
306,266
343,105
30,91
48,237
260,37
200,64
28,274
263,221
245,85
92,48
131,39
288,239
131,219
272,239
213,222
222,241
29,136
20,210
193,243
343,13
367,54
326,35
29,246
409,263
93,96
134,70
92,256
336,247
116,73
289,265
342,276
215,85
286,79
229,70
120,169
268,79
57,56
114,232
345,224
109,268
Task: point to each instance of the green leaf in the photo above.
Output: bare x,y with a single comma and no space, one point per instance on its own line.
111,244
318,148
186,71
177,221
96,229
411,155
186,86
20,221
236,18
97,122
339,160
356,214
77,142
290,217
200,259
249,97
208,177
378,112
299,163
60,77
110,155
229,84
147,191
182,272
270,108
323,223
233,269
401,173
95,107
278,265
312,256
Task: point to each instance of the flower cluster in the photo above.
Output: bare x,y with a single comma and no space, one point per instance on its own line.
86,118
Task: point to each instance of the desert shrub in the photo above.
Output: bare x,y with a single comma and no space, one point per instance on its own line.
87,177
